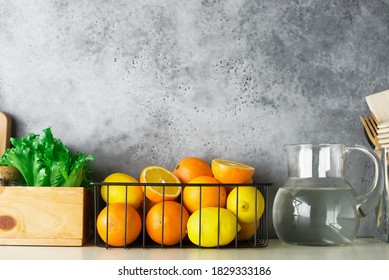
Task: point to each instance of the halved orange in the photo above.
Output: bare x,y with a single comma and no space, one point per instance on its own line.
158,174
231,172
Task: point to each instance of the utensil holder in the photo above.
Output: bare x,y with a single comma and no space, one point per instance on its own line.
381,232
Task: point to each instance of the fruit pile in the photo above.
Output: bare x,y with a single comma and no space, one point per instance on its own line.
191,202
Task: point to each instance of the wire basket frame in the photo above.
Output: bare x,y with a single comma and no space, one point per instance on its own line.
257,240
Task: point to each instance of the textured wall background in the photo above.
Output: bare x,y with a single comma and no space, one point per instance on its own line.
139,83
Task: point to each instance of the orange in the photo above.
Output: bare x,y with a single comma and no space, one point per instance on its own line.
231,172
190,168
148,204
118,234
171,220
209,194
158,174
247,230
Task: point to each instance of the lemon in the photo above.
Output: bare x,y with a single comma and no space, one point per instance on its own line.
209,226
117,194
247,203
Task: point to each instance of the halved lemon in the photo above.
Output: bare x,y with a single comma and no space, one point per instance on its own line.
231,172
158,174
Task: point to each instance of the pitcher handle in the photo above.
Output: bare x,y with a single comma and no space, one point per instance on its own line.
368,201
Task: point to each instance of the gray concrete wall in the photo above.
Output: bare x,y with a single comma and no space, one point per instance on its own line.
138,83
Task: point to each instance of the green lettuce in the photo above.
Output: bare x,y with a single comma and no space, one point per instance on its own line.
46,161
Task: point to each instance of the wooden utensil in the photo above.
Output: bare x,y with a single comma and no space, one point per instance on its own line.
5,132
383,134
7,173
370,125
379,104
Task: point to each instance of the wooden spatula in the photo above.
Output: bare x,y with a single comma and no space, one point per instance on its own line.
5,132
7,173
383,134
378,104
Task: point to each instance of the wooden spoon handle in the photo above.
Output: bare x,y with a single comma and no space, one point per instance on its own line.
5,132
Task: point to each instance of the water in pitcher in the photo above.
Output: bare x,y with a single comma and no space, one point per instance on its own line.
315,212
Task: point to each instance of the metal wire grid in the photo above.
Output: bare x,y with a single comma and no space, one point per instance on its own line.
258,240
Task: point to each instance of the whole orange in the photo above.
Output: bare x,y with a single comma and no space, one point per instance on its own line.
190,168
209,195
118,234
170,218
247,230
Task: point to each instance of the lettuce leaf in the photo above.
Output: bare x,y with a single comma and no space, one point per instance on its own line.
46,161
75,170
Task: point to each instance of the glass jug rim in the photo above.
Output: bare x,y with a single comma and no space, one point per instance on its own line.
311,145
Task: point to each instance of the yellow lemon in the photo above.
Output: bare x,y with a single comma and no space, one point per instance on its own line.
247,203
208,232
117,193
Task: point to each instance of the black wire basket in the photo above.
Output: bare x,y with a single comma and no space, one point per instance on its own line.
258,239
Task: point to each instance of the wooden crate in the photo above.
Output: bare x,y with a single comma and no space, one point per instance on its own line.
45,216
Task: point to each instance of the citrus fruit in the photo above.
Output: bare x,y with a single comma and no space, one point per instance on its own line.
231,172
231,187
212,232
190,168
210,196
148,204
247,230
118,234
247,203
169,217
117,194
158,174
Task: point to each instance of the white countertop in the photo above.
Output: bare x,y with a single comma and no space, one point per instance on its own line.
360,249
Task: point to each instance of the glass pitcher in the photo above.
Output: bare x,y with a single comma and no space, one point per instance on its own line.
317,205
